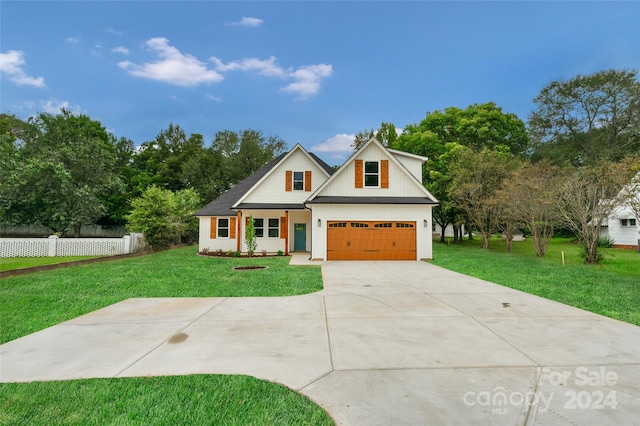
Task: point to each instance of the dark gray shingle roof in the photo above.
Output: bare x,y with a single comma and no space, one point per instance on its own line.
221,206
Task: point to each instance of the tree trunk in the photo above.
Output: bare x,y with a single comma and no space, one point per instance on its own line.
484,237
443,227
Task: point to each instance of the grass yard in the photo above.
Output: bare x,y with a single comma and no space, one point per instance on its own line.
611,289
174,400
10,263
29,303
32,302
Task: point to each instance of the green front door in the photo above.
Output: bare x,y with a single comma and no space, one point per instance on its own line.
300,237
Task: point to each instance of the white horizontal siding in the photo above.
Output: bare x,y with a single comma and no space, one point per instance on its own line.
623,235
272,189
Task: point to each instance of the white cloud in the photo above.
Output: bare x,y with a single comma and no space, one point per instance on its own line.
339,146
121,49
181,69
266,67
11,65
114,31
54,106
172,66
307,79
73,40
248,22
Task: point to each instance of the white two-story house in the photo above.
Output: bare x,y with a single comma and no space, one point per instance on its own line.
374,207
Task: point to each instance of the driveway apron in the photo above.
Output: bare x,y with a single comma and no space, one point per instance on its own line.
385,343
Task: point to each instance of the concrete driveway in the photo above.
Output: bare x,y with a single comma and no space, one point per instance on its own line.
385,343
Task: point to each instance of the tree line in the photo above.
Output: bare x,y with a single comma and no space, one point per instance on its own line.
66,170
564,168
488,168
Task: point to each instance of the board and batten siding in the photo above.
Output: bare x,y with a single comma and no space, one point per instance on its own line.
400,184
273,188
372,212
414,165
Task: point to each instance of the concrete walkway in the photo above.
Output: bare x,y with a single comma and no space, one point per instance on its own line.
385,343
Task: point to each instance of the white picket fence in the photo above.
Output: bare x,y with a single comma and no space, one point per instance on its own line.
54,246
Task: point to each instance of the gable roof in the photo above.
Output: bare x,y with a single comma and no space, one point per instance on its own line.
326,168
224,204
429,198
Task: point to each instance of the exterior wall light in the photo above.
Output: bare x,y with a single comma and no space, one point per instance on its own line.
319,222
425,223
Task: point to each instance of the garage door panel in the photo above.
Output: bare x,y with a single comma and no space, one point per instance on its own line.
368,240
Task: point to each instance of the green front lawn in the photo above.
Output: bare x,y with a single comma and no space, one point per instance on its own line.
611,289
174,400
10,263
29,303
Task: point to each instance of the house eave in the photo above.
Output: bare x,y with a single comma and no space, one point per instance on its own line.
269,206
371,200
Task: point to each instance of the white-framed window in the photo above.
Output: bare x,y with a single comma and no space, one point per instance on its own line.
258,225
223,227
627,222
371,173
298,181
274,228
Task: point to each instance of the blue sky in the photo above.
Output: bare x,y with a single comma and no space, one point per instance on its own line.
313,73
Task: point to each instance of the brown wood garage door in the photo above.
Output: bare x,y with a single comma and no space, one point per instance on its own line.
367,240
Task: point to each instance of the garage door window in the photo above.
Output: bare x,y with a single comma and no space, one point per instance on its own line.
359,225
404,225
371,173
384,225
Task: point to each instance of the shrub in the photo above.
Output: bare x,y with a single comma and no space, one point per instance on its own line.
164,217
280,253
605,242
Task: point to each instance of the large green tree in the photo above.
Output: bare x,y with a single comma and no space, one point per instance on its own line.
588,118
243,153
62,169
440,134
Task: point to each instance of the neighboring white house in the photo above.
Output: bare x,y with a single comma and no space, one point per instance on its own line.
374,207
622,226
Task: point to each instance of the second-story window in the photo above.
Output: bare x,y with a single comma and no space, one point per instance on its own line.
371,173
298,181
